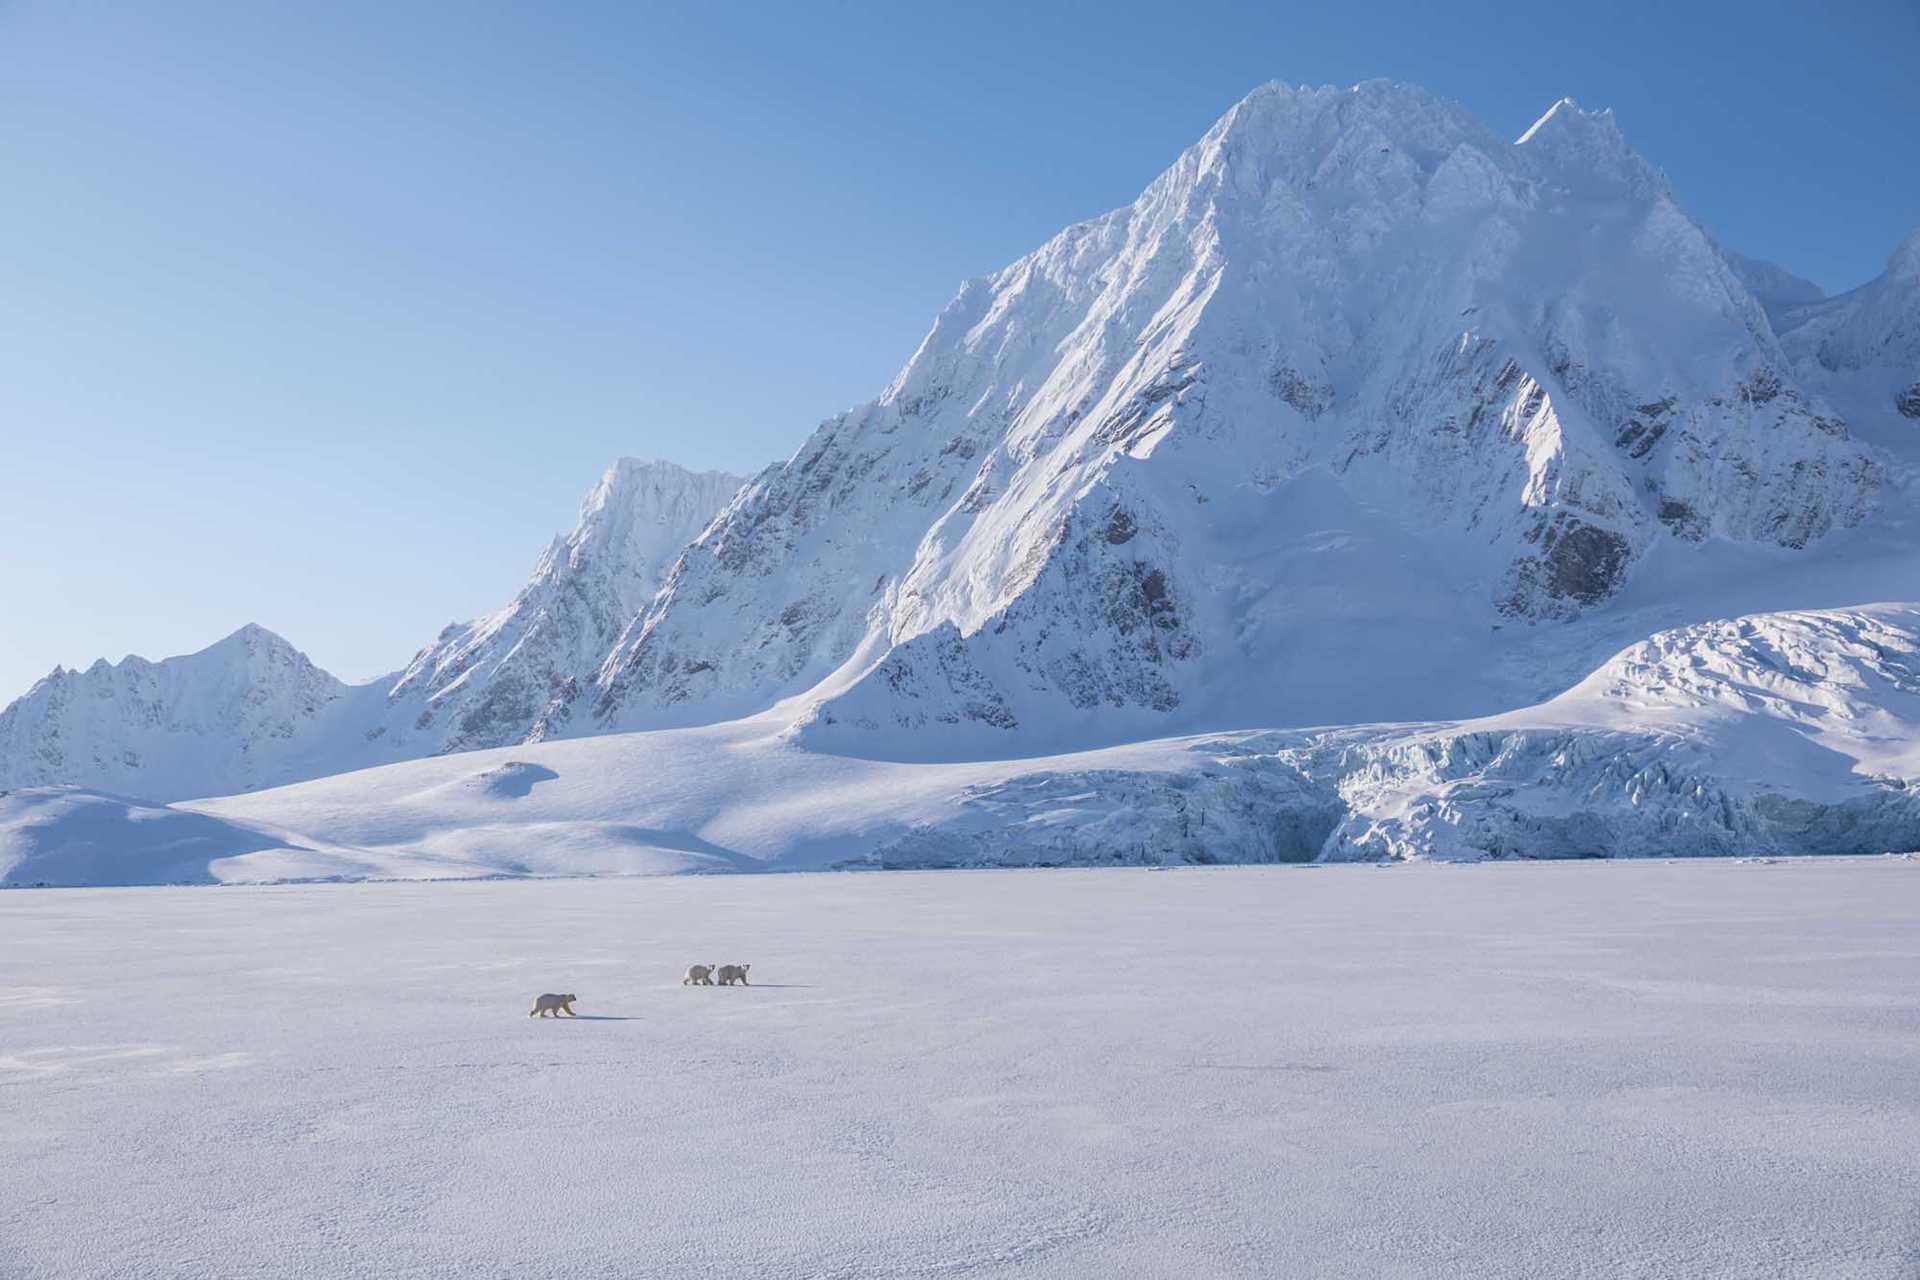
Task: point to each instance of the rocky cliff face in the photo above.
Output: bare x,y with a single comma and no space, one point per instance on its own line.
1080,504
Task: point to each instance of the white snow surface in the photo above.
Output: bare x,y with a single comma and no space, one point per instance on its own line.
1771,734
1500,1071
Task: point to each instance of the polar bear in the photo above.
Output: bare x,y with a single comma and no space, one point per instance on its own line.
732,973
700,975
544,1006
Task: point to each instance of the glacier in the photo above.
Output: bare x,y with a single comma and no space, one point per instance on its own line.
1790,733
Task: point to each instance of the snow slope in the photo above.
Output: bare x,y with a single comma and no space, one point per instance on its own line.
66,836
1773,734
1505,1072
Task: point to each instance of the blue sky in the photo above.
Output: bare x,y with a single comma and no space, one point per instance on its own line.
324,316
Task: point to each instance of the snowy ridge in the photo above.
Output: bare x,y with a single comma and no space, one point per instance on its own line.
237,714
1862,349
1776,289
515,675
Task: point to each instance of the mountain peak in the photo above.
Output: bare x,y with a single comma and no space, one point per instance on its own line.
1773,286
630,478
254,633
1303,126
1580,148
223,718
1564,114
509,677
1358,298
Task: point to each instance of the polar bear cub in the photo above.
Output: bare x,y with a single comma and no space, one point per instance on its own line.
700,975
544,1006
732,973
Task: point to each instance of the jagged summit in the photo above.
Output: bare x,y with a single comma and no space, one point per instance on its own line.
1587,149
1563,108
228,717
245,641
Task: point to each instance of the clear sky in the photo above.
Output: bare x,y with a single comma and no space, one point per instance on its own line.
324,315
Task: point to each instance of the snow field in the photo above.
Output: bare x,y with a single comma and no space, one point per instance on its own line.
1538,1070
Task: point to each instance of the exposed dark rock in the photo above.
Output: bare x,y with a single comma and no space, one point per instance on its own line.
1762,386
1586,563
1638,437
1311,398
1908,402
1682,519
1138,416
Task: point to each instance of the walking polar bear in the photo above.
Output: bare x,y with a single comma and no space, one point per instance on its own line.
732,973
700,975
544,1006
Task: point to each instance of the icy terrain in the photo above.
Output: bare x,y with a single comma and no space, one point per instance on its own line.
1372,486
1525,1071
1775,733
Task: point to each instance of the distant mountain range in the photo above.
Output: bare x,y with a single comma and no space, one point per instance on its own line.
1358,414
252,711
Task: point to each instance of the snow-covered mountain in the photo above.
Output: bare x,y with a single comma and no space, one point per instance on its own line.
238,714
515,675
253,711
1353,364
1360,416
1862,349
1777,290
